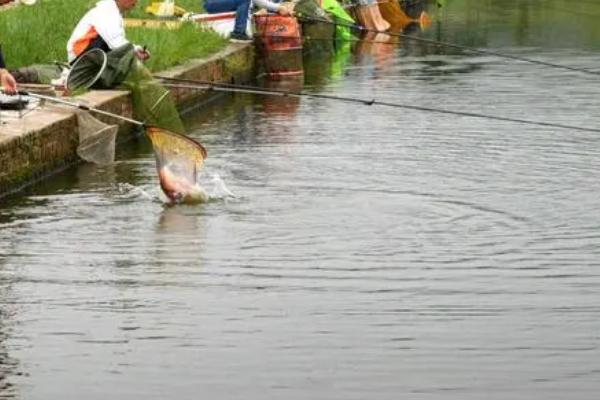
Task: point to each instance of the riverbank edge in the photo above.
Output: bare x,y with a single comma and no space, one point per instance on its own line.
44,141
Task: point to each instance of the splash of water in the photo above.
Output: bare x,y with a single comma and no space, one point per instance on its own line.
220,190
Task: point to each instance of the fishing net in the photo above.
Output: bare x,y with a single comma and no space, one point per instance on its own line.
96,139
86,71
99,70
152,102
179,160
280,44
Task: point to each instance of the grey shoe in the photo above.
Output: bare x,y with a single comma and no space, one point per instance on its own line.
236,37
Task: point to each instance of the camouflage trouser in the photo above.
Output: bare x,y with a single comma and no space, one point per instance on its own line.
117,67
119,64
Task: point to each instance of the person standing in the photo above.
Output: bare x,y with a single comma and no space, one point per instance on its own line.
9,85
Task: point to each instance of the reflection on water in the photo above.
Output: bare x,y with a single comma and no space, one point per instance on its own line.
367,252
376,49
283,106
9,366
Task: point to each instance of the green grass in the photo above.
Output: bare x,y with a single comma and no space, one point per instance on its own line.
39,34
173,47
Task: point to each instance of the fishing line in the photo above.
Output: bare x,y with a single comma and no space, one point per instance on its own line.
227,87
452,45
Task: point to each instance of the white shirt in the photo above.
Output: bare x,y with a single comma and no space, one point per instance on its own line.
104,20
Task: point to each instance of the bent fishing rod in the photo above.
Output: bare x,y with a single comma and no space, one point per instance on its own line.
228,87
302,17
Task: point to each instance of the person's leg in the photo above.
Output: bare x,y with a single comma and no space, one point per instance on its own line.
241,16
362,14
380,24
241,8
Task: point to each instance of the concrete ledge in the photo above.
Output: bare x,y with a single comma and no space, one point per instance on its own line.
45,140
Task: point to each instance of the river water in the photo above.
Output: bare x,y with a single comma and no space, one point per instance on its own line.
368,253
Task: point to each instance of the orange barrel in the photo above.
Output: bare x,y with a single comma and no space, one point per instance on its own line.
279,40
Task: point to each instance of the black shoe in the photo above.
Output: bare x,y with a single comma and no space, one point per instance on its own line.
239,38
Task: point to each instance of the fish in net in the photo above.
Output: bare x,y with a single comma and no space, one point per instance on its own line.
179,160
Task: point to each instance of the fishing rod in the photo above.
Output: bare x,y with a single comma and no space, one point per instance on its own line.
228,87
81,107
449,45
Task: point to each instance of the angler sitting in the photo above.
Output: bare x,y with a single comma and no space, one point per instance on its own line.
102,27
242,9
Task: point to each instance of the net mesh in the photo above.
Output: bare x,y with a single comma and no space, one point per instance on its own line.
96,139
152,102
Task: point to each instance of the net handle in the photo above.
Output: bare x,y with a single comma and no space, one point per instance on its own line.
82,107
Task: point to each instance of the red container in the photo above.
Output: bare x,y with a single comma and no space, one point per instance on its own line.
280,42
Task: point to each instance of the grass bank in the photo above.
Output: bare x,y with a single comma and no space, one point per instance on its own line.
39,34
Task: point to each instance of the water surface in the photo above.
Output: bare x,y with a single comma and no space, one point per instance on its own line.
370,252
